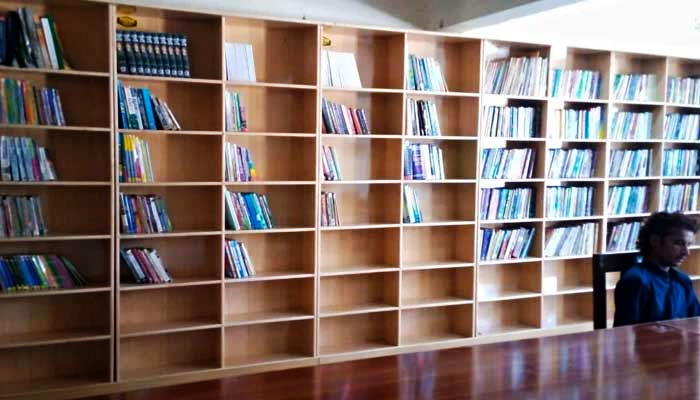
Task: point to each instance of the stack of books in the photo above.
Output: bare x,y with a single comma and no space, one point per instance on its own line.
37,272
23,160
246,211
153,54
21,216
144,265
143,214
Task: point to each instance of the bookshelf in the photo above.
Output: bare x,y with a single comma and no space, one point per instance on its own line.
378,282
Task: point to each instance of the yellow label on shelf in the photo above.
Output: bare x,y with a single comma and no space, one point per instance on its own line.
326,41
126,21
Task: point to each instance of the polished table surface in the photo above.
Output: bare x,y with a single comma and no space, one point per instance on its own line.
658,360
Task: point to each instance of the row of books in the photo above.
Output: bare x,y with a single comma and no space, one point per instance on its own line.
240,62
411,206
422,118
152,53
570,163
630,163
21,216
38,272
140,109
580,123
344,120
246,211
576,84
517,76
238,263
628,125
681,197
504,244
329,210
24,102
506,203
424,73
423,161
682,126
239,165
134,159
144,266
236,117
576,240
627,200
143,214
683,90
501,163
23,160
513,122
339,69
623,236
680,162
635,87
330,164
30,41
569,201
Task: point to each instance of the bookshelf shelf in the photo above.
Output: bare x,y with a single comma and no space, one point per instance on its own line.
51,338
372,285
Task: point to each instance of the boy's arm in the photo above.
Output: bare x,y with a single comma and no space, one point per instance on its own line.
631,294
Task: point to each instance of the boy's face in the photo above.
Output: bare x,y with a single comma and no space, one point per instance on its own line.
671,249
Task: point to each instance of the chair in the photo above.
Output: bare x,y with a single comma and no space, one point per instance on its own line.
603,264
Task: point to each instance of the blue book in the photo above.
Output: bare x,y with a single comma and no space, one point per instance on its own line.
148,106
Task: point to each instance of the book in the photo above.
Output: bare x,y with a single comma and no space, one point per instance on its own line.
23,160
28,272
134,159
240,62
506,203
239,165
635,87
152,54
339,69
247,211
573,240
503,163
143,266
423,161
517,76
411,206
23,102
235,113
569,201
424,73
422,118
575,84
504,244
512,122
330,165
329,210
238,263
341,119
141,109
573,123
143,214
21,216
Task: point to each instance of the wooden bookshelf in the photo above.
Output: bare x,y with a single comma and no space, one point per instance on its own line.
373,285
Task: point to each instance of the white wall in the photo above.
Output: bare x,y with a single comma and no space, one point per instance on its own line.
385,13
649,26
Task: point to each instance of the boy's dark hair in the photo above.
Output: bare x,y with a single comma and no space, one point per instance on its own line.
661,223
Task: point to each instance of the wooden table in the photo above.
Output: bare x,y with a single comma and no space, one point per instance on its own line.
659,360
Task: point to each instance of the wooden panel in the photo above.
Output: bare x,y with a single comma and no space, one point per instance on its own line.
66,209
358,332
283,52
52,367
342,250
90,257
347,293
182,203
151,356
365,158
443,202
53,314
506,280
204,53
367,204
184,158
434,245
250,301
291,206
186,100
457,116
282,341
383,110
563,275
379,54
280,253
76,156
508,316
567,309
280,158
86,44
426,325
272,109
437,285
143,311
188,258
459,59
629,63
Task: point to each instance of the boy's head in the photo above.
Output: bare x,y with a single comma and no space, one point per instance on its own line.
665,238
